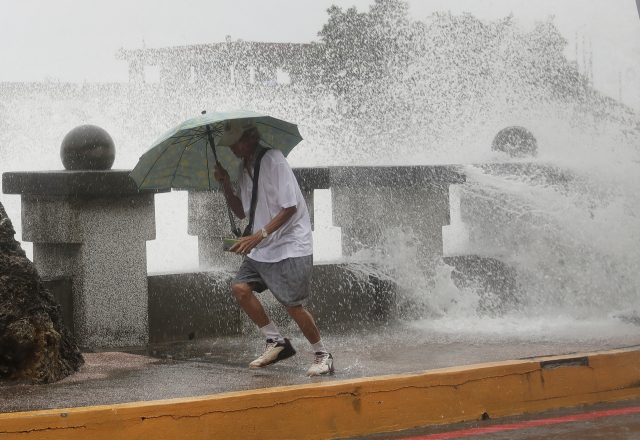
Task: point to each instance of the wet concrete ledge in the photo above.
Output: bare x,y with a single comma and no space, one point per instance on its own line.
101,183
118,182
200,304
190,305
353,407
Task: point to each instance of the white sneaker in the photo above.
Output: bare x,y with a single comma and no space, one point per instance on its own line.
272,353
322,365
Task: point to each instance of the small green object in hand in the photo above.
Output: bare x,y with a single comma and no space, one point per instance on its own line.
227,243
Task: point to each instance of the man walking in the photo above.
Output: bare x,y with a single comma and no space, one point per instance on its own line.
279,250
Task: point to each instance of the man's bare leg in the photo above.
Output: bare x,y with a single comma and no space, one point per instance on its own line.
305,322
251,304
323,362
277,348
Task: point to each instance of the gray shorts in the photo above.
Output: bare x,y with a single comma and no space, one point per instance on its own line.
288,279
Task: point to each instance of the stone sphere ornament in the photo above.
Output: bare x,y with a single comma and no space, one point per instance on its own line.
88,147
516,142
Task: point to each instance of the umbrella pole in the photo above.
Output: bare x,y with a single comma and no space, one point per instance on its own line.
234,228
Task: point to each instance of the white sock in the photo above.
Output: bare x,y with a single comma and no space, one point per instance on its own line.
318,347
271,332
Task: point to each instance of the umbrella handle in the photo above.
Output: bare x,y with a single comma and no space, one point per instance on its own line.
212,144
234,228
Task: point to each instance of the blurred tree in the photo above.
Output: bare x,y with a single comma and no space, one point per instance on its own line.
382,77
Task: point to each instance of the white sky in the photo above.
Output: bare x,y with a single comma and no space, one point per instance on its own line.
76,40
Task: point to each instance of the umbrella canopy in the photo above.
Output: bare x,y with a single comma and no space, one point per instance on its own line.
183,157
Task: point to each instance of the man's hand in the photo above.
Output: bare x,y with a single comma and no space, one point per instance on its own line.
221,175
246,244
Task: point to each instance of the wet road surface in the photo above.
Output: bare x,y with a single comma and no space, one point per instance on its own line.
607,421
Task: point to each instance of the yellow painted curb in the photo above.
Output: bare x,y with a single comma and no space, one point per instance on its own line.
351,407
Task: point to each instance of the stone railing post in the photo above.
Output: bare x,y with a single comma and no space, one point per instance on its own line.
455,236
209,221
92,226
370,202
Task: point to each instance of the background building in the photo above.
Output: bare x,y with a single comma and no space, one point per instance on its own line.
231,62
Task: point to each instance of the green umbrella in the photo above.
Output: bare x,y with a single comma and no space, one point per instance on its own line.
184,157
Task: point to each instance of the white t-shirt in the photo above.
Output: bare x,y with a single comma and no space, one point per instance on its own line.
277,189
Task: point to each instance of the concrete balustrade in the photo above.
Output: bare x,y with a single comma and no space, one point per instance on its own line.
91,227
368,203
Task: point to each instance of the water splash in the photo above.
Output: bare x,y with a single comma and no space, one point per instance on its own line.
567,235
442,88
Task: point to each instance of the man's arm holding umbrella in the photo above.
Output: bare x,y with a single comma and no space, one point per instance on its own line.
222,176
246,244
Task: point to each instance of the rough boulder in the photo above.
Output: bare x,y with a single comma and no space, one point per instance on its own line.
34,343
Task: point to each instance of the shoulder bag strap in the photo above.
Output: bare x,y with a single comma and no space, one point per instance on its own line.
254,192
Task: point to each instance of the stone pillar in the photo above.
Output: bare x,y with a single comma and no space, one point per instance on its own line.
455,236
310,179
92,226
383,207
209,221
